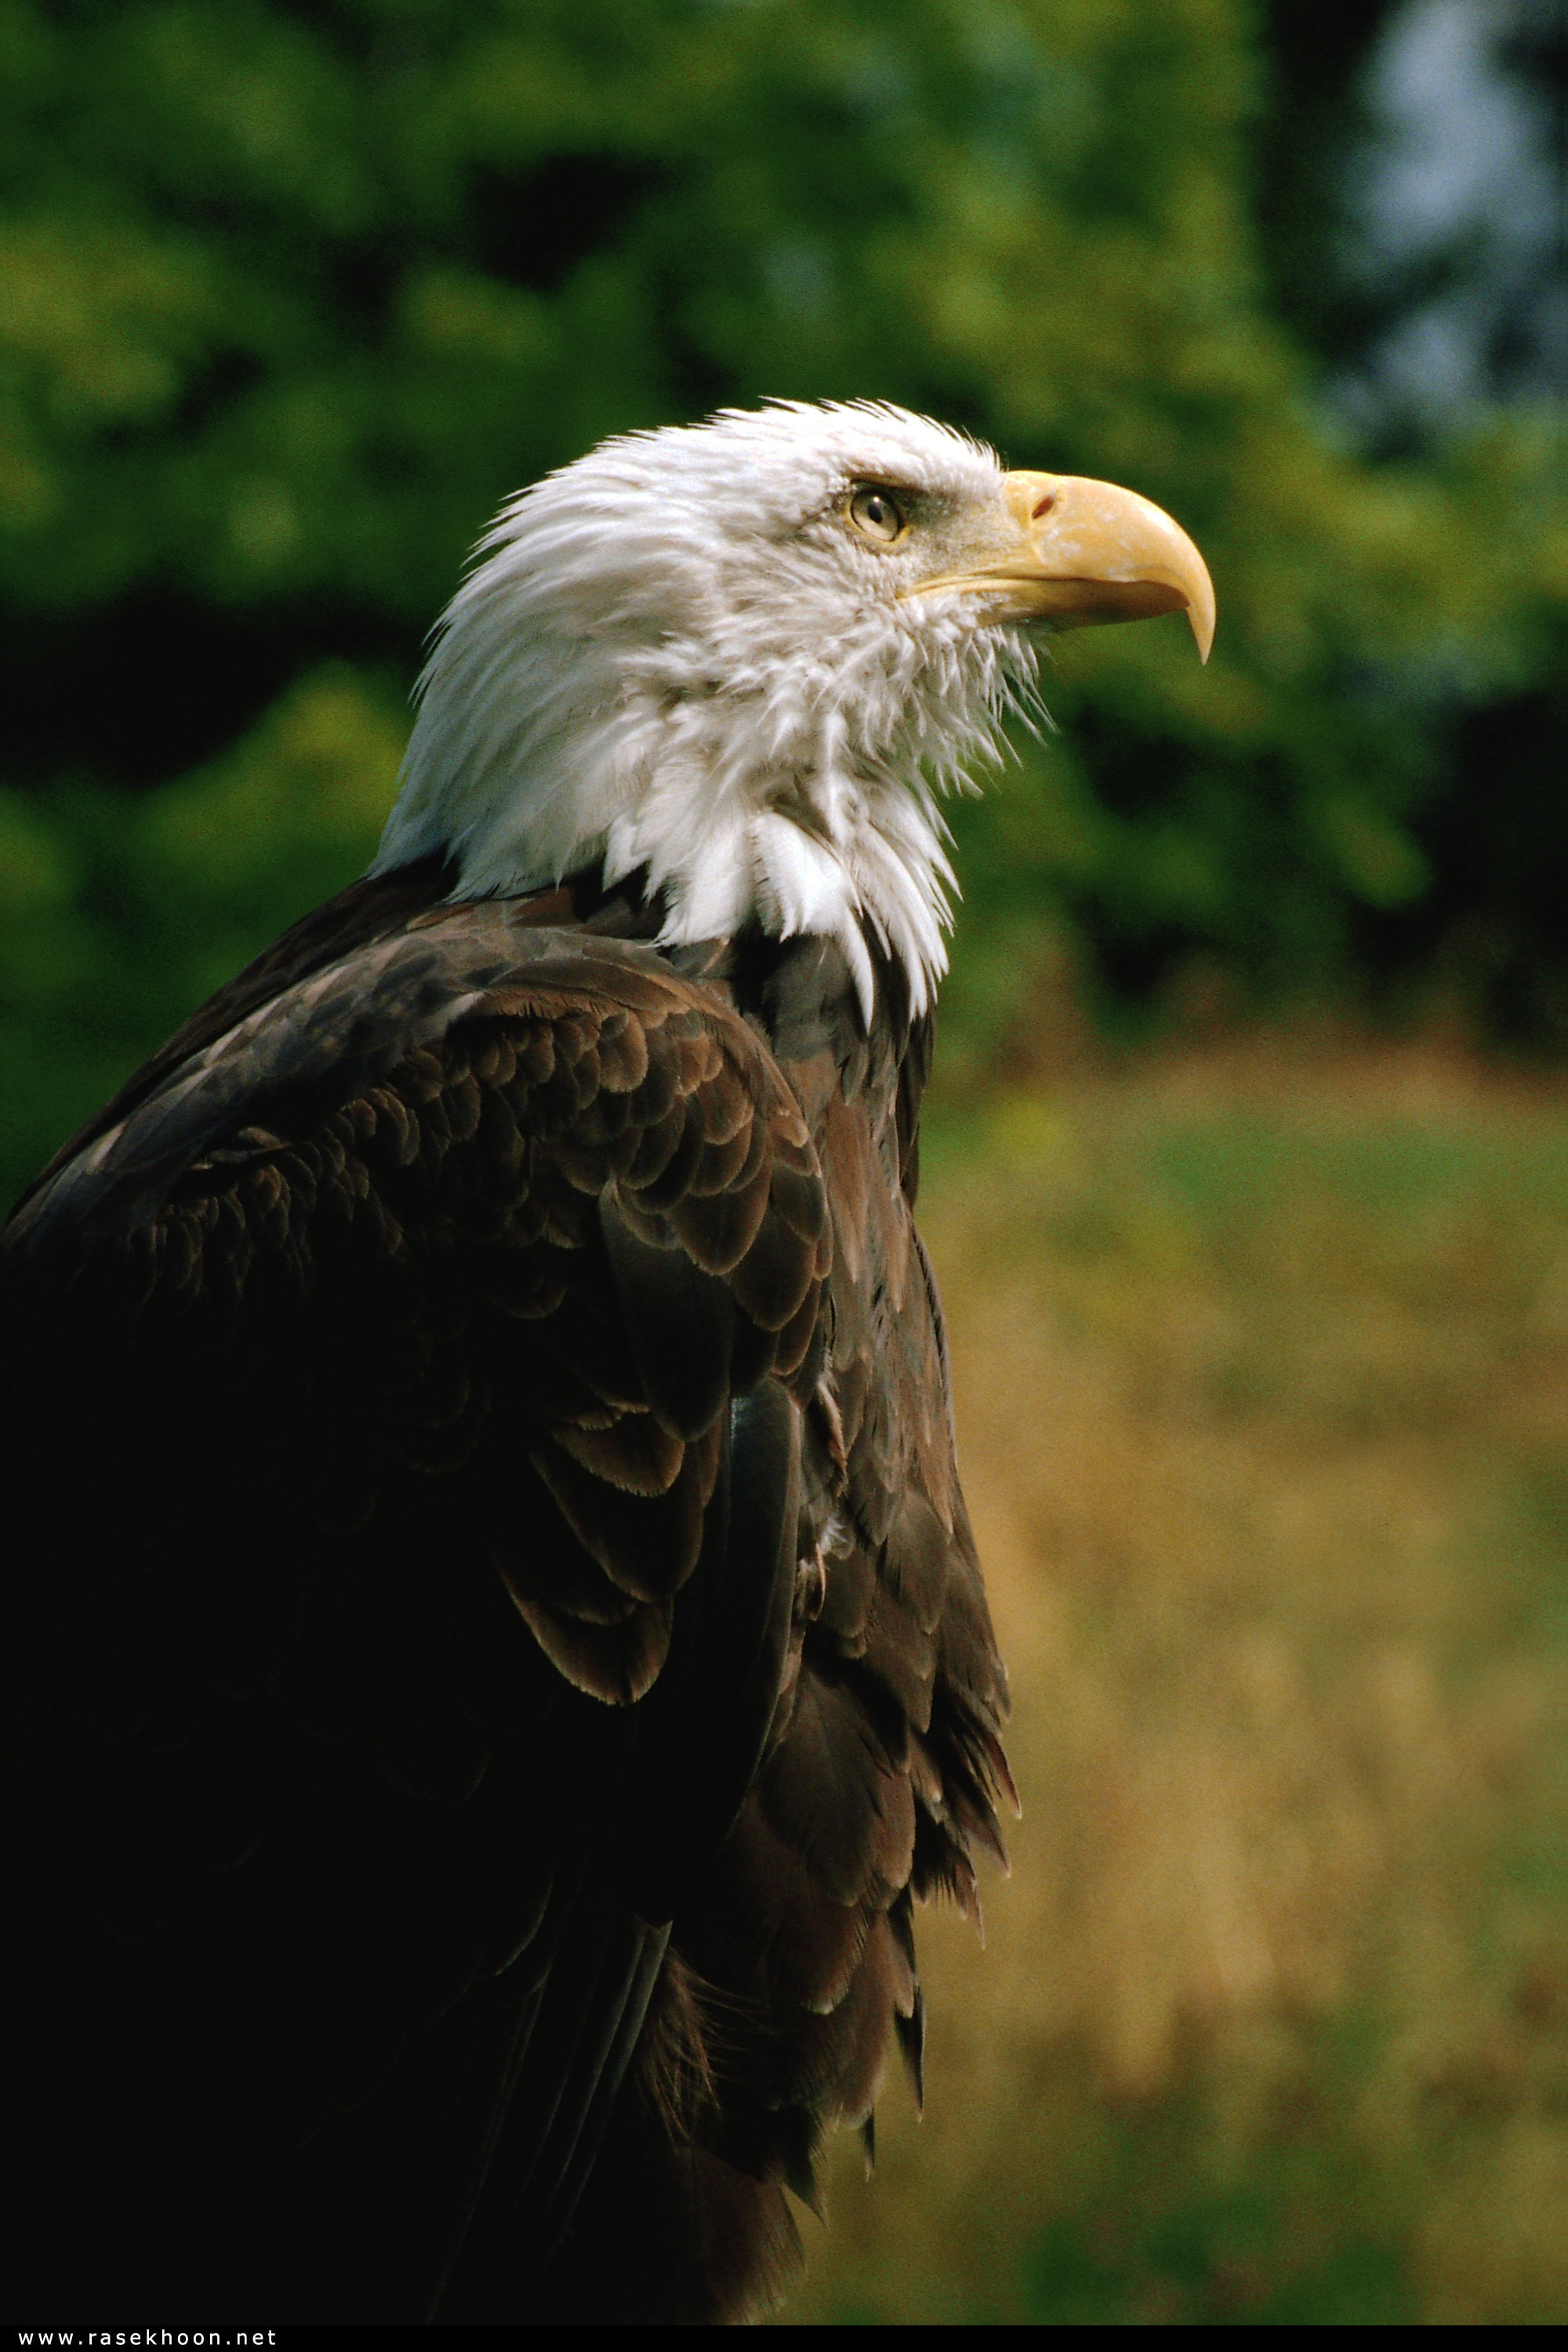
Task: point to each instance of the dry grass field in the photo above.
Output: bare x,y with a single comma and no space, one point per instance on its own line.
1261,1362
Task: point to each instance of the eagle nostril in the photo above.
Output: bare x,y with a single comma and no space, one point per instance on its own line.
1043,506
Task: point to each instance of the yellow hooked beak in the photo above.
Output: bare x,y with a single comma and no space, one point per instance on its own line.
1070,551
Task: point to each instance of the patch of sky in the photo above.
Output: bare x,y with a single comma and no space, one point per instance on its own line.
1454,213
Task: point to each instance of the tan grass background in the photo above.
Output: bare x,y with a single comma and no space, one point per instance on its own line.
1261,1367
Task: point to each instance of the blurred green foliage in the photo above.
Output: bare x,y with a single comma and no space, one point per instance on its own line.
1172,2227
119,912
290,297
1261,1370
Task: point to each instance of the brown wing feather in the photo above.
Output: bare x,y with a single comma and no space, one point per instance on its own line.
333,1300
516,1511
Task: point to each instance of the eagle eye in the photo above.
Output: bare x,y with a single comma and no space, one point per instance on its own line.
877,515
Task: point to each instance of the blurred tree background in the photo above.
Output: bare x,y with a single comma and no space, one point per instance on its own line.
292,295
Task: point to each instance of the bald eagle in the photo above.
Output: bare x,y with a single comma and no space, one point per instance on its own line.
500,1647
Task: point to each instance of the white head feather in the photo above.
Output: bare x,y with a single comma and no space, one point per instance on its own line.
678,653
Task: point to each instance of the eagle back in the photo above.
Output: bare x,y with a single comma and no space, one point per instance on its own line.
504,1650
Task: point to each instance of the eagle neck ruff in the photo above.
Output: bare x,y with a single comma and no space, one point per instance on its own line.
740,811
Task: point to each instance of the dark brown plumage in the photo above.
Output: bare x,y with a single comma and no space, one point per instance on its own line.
501,1647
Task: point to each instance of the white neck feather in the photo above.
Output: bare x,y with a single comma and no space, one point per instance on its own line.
667,656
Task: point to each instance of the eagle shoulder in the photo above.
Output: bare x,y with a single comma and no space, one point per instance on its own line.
518,1467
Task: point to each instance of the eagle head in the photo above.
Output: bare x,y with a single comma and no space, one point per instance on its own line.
747,656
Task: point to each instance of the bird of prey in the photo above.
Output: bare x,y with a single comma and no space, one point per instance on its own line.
498,1648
